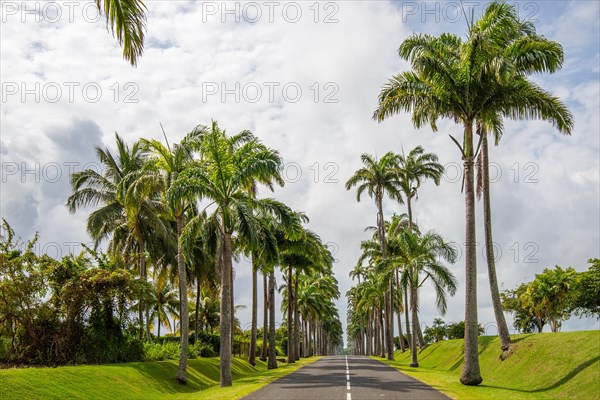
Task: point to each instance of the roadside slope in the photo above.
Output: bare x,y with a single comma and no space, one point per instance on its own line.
541,366
147,380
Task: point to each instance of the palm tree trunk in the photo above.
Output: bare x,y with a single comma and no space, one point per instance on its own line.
142,268
231,300
272,351
389,319
389,326
252,356
406,306
399,314
419,333
369,341
226,312
413,307
263,350
158,316
183,300
489,249
296,320
196,317
290,322
471,374
383,333
306,342
409,206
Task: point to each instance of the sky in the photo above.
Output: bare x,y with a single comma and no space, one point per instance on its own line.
304,77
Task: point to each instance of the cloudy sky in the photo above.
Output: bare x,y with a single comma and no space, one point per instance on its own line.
304,76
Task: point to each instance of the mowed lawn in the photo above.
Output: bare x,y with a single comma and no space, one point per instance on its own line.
147,380
542,366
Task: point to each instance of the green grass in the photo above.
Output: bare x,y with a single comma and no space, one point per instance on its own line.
147,380
541,366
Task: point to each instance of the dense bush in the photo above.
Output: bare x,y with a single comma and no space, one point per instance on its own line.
161,351
64,311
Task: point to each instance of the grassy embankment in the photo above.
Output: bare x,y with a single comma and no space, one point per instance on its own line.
541,366
142,380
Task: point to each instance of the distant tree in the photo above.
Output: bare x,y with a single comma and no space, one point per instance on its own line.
436,332
587,301
523,320
551,295
457,330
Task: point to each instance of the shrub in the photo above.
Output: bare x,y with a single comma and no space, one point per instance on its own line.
203,349
161,351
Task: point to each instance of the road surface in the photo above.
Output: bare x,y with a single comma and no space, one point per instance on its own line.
346,378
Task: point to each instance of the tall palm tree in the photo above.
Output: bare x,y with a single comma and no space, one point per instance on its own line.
159,176
461,80
302,252
420,256
127,20
527,53
226,176
413,169
378,178
264,251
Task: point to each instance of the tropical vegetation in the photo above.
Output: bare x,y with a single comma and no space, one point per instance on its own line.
167,220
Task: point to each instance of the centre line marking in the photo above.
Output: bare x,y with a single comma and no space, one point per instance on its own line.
348,396
348,385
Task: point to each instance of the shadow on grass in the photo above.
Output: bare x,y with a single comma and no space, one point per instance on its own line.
202,373
558,383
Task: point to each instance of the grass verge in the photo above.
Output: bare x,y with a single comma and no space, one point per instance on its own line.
541,366
147,380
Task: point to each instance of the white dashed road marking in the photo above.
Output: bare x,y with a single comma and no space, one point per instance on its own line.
348,395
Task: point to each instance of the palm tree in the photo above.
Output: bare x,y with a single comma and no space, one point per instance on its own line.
163,302
413,169
133,224
528,53
201,269
208,312
160,175
457,79
264,251
127,20
226,176
301,252
379,177
420,256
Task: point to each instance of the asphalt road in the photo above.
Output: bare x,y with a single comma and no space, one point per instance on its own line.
346,378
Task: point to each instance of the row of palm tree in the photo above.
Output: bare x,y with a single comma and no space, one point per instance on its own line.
184,211
477,82
397,255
